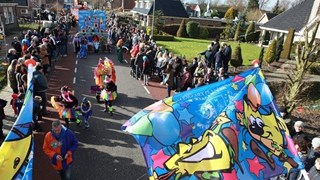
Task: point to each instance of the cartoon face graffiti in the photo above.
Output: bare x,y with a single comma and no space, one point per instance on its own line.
208,153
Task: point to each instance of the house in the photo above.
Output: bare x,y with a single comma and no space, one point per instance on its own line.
8,14
267,16
193,10
24,8
301,17
173,11
127,4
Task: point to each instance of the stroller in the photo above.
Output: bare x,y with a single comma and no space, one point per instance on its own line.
134,72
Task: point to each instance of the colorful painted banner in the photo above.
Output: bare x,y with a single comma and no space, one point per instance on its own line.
16,152
92,21
230,129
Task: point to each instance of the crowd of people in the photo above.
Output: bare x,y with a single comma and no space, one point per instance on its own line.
151,61
41,49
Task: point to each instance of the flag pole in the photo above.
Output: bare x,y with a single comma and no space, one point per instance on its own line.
304,174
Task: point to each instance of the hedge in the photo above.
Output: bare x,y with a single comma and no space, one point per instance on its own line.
163,38
173,28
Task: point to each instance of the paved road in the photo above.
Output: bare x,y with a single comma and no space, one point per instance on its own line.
105,152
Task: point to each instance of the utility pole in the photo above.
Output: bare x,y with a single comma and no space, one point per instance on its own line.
122,5
153,10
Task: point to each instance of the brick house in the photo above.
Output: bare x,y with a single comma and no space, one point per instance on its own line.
8,14
128,4
173,11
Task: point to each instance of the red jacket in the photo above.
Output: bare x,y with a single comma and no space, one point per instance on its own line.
134,51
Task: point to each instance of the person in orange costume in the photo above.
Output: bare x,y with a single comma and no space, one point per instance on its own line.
59,145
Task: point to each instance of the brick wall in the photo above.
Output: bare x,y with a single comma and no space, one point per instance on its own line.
128,4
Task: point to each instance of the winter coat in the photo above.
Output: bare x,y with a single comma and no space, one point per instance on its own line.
11,75
44,56
39,82
65,143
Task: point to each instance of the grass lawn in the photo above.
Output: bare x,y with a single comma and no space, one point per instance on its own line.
190,48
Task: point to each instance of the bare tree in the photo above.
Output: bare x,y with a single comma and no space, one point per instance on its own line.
295,2
237,4
262,3
253,15
285,4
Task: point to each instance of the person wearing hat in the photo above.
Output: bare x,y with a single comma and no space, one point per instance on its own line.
313,154
86,111
40,87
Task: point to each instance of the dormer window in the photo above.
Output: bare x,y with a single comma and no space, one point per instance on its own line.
142,4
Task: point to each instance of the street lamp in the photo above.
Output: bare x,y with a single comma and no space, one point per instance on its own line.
154,7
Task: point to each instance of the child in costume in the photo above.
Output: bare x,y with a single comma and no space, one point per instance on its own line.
13,103
16,103
83,49
109,94
86,111
67,110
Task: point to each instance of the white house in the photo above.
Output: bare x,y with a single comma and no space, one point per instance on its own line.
300,17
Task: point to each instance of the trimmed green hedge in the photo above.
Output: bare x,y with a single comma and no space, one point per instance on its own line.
163,38
173,28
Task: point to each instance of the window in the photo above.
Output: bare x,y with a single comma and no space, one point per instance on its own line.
6,15
10,14
24,11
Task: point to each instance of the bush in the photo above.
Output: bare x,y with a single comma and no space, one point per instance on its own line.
250,32
149,30
236,58
231,13
270,55
237,33
182,32
204,33
163,38
279,47
171,29
193,29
